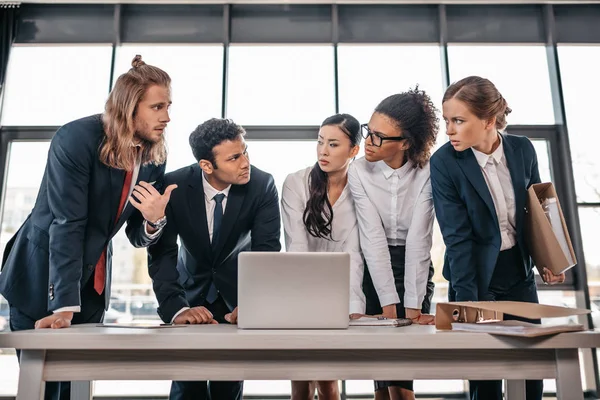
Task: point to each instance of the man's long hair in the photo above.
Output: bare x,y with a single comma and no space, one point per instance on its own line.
119,117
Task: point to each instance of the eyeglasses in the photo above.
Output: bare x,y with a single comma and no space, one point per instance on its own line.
376,138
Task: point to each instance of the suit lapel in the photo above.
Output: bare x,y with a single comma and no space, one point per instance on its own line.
468,163
514,159
117,177
143,175
232,211
197,211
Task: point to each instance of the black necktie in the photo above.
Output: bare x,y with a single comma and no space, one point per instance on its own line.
217,218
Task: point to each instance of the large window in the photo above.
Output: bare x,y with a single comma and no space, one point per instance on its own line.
519,72
280,85
581,85
196,79
52,85
368,74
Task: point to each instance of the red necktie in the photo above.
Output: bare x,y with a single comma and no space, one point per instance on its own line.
100,272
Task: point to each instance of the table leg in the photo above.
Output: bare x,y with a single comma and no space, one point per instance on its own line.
31,375
568,375
515,389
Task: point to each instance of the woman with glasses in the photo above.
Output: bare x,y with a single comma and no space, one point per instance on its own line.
392,196
480,180
319,215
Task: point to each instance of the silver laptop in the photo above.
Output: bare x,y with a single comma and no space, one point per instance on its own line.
293,290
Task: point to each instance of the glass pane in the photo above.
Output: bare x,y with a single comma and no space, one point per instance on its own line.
589,218
26,164
581,85
280,85
196,80
542,151
52,85
519,72
368,74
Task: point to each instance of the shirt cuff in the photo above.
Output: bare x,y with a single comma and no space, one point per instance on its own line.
357,307
179,312
150,235
412,302
388,299
67,309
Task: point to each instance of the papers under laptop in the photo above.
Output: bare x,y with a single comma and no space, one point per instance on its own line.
139,325
293,290
368,320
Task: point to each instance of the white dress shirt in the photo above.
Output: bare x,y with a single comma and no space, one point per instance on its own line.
497,177
134,176
394,208
210,203
344,231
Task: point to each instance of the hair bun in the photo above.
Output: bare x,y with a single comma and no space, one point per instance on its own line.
137,61
507,109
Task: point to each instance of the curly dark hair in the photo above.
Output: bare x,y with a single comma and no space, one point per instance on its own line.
415,114
211,133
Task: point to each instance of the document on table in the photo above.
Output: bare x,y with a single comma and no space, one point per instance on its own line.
380,321
515,328
139,325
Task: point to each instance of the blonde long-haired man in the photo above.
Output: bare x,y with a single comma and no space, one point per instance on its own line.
101,171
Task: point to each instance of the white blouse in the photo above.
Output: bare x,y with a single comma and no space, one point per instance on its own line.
344,230
395,208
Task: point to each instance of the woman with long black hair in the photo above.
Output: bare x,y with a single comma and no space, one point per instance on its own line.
318,215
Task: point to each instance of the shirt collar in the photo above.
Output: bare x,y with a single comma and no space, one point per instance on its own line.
389,171
210,192
482,158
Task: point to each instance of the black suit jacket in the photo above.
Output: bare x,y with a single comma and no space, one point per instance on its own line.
54,253
251,222
467,216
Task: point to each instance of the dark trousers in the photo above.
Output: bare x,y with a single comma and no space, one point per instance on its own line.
509,282
373,307
209,390
92,311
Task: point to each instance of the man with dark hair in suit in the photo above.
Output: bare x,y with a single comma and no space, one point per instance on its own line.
223,206
99,174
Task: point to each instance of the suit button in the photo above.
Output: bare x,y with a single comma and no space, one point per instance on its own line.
91,267
51,297
51,286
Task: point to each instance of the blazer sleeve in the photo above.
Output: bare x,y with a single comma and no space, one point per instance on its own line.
266,227
457,231
136,230
162,267
68,175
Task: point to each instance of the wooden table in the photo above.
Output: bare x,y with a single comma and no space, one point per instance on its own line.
222,352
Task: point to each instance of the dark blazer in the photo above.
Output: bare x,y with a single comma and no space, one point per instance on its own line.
54,253
251,222
467,217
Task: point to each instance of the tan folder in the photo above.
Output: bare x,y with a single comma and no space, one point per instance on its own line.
488,317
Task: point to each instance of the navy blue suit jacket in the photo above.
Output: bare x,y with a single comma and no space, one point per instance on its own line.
54,253
467,217
251,222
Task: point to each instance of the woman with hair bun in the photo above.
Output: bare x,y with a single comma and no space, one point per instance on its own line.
480,180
